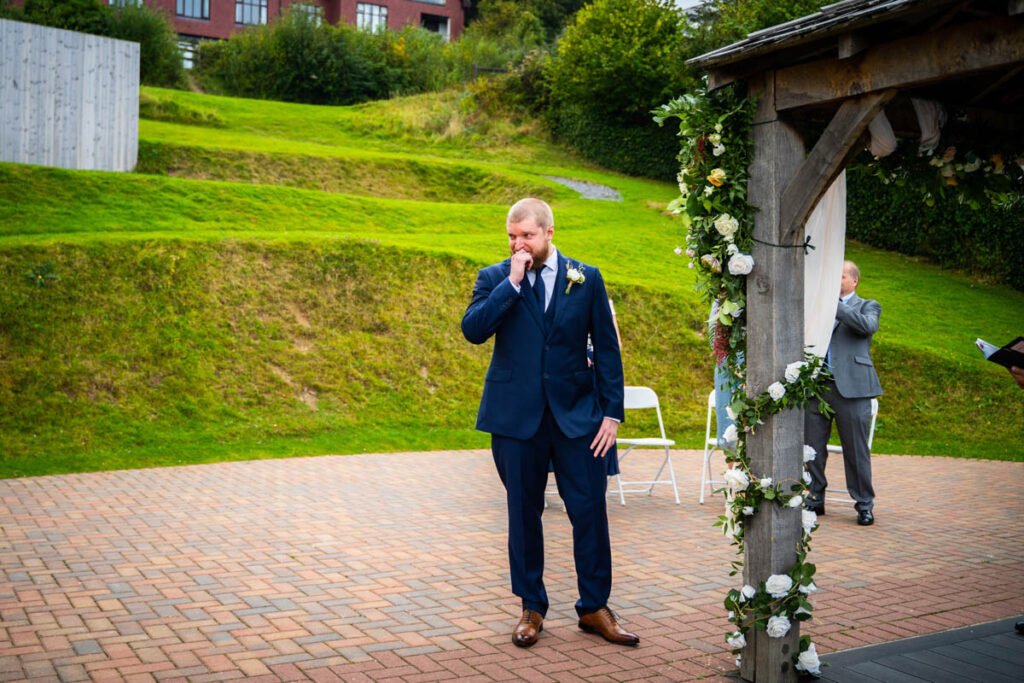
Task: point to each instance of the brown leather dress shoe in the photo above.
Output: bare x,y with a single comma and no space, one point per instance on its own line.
603,623
529,626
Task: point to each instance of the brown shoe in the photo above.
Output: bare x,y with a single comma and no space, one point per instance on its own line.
603,623
529,626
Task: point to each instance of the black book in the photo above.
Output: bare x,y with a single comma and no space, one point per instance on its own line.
1011,354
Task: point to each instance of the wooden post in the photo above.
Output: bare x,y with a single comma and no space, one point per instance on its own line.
775,337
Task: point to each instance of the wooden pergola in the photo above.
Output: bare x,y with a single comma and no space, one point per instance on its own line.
819,82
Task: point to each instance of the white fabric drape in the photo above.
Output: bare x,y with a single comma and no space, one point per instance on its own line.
931,117
883,140
823,266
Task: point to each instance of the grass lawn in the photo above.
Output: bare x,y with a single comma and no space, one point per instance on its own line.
289,280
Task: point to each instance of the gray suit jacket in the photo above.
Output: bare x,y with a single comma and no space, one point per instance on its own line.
856,322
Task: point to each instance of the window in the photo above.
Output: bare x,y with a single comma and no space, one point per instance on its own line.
250,11
194,9
313,12
124,3
187,47
371,17
432,2
437,24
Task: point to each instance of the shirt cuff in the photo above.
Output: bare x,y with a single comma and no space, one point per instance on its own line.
614,420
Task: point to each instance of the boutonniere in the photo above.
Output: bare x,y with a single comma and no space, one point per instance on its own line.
574,275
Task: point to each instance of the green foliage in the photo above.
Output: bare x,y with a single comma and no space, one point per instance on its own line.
720,23
159,57
639,149
618,61
296,60
983,241
549,16
87,16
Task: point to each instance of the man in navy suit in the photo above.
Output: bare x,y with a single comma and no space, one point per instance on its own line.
543,403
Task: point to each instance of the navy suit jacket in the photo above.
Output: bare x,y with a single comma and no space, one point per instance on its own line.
529,364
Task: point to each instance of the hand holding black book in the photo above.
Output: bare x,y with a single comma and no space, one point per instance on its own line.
1010,355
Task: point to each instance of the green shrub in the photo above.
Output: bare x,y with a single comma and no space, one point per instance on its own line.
640,149
617,62
87,16
159,57
986,243
420,61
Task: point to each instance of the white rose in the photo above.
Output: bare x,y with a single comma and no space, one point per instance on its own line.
678,251
795,501
741,264
808,661
732,249
730,435
809,453
718,150
806,476
708,189
736,479
715,139
726,225
778,585
777,627
748,592
776,390
747,511
808,520
809,588
766,483
736,640
793,370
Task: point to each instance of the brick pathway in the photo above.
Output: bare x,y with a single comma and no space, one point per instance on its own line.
393,568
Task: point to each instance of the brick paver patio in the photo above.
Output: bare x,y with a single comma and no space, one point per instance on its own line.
393,568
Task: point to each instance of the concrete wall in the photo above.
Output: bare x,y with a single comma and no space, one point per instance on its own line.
68,99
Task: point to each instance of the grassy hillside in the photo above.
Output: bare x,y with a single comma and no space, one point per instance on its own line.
288,279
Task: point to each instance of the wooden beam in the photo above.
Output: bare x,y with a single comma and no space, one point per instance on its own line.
851,44
905,63
827,159
775,337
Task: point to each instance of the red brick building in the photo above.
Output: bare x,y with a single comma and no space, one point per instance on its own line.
196,20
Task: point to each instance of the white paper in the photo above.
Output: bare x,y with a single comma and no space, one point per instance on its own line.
986,348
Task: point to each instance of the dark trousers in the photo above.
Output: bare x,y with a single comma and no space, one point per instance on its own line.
582,483
853,422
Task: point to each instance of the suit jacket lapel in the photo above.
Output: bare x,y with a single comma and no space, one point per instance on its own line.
558,291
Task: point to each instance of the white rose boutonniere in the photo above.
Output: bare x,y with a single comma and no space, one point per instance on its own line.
575,276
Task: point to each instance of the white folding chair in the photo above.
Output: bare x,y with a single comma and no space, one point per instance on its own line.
710,446
836,448
643,398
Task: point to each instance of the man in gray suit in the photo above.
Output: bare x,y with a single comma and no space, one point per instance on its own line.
849,394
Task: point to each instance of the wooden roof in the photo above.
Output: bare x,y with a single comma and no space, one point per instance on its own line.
967,54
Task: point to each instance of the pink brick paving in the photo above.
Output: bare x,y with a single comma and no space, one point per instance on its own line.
392,568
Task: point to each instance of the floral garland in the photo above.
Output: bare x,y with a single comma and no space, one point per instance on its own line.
716,152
